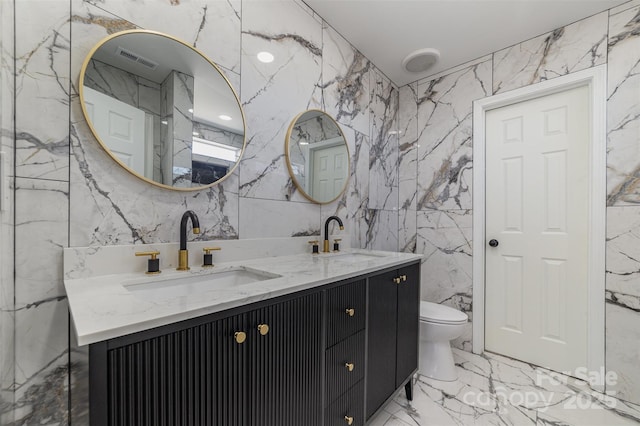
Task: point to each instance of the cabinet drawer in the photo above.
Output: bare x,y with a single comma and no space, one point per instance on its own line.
344,365
348,406
346,311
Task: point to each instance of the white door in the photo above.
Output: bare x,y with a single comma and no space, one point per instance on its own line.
120,126
537,211
330,170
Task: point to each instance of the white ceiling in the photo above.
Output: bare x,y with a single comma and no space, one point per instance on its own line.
385,31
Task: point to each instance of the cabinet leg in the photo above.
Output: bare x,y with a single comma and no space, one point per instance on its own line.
408,389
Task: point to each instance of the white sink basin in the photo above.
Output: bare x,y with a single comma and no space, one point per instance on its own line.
160,287
354,257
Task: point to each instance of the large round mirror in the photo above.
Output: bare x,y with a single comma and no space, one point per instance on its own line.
162,110
317,156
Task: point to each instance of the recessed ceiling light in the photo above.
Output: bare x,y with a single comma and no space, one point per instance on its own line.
265,57
421,60
191,110
224,117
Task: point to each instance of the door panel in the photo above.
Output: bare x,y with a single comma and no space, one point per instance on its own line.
537,208
121,127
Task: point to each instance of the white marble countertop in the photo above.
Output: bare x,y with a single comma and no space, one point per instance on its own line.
103,307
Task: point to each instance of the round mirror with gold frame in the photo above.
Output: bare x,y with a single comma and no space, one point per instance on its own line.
162,110
317,156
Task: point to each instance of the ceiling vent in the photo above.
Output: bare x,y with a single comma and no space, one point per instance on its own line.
421,60
127,54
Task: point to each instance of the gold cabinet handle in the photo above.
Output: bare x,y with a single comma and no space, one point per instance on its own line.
350,311
349,366
397,280
403,277
240,336
263,329
348,419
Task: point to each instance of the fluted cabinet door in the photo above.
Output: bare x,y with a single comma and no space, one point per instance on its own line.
286,363
232,371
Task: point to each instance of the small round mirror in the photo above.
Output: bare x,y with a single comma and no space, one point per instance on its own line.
317,156
162,110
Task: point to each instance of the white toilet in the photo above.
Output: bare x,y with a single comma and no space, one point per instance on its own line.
439,324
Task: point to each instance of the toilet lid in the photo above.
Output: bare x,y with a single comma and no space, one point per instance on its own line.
441,314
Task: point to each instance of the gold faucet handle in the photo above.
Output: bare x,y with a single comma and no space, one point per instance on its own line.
337,240
208,250
153,264
314,246
153,254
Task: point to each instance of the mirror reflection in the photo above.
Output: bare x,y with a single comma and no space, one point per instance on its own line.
317,156
162,110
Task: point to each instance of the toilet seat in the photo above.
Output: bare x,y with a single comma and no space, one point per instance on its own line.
441,314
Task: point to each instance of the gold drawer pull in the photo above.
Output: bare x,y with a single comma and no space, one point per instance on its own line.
263,329
349,366
351,312
240,336
403,277
397,280
348,419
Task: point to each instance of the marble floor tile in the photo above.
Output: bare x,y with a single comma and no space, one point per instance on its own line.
492,389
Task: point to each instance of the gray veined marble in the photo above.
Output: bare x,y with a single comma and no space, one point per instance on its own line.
345,75
42,73
623,298
408,146
444,239
623,109
567,49
444,138
492,389
383,153
274,93
358,189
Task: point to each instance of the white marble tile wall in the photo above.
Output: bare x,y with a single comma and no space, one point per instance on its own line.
623,299
407,167
7,313
567,49
90,201
623,109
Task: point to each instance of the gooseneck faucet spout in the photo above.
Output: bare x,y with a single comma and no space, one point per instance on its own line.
326,231
183,254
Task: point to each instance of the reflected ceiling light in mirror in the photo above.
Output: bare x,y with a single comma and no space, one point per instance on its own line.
224,117
265,57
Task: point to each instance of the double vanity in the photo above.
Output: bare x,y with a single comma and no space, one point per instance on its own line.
263,332
257,339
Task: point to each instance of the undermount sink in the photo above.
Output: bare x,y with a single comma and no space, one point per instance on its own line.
160,287
354,257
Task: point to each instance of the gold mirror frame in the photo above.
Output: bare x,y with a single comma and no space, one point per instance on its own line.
108,150
287,149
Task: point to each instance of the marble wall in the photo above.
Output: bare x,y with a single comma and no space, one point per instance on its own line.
68,192
435,200
7,312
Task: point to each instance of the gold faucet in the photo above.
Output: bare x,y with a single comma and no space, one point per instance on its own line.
183,254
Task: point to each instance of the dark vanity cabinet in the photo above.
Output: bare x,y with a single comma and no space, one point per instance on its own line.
392,333
345,353
229,370
324,356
